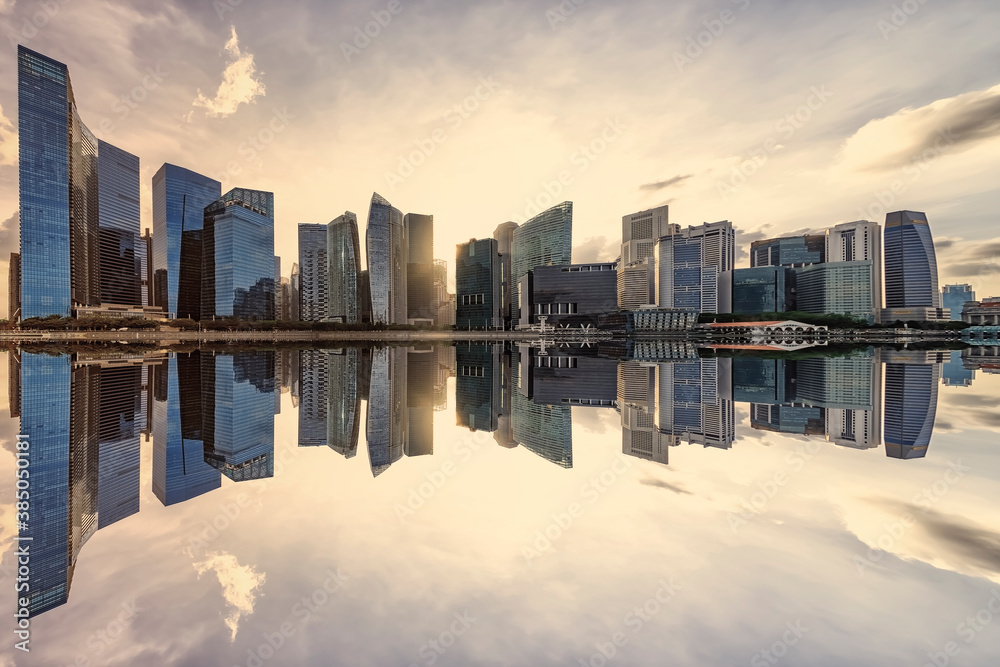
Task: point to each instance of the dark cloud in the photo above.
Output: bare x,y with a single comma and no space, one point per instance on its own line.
970,260
659,185
596,249
660,484
977,546
975,122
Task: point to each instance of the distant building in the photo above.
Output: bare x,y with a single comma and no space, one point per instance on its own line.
419,268
954,298
119,230
179,200
696,401
388,417
765,289
790,251
836,288
387,262
982,313
911,272
278,293
859,241
689,265
314,271
544,430
238,250
504,235
344,269
478,392
545,240
313,397
146,270
573,295
478,280
294,289
444,303
421,365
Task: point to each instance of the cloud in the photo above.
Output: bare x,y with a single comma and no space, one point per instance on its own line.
8,141
660,484
596,249
947,125
9,236
958,258
240,585
659,185
241,83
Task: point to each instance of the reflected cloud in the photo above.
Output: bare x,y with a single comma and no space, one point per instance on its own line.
241,585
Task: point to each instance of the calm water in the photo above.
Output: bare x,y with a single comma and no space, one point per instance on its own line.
481,505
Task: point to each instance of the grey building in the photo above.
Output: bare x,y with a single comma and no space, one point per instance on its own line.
387,262
911,272
419,267
836,288
573,295
764,289
504,235
689,265
545,240
790,251
314,273
478,278
637,267
344,270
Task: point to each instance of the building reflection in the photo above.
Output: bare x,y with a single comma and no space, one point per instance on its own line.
211,415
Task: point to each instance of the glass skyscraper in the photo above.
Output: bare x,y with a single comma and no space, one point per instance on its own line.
420,266
121,248
545,240
789,251
911,273
544,430
314,272
954,297
388,416
689,265
344,269
238,256
478,285
764,289
387,262
179,200
343,412
836,288
911,397
313,379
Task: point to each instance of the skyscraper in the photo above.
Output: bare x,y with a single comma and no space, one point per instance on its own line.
688,268
388,416
58,192
343,412
344,269
911,397
695,399
637,268
421,363
836,288
478,394
387,262
859,241
954,298
14,287
121,250
313,379
911,273
544,240
504,235
544,430
118,451
314,270
238,251
180,197
789,251
478,279
420,267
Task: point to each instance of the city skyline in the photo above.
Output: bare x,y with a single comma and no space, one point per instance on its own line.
854,136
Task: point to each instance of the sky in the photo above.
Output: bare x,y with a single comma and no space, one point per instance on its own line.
780,116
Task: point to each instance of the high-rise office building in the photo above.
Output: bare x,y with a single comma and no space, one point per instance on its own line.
637,402
859,241
954,298
689,265
848,389
504,235
343,413
344,269
146,269
545,240
238,250
388,417
544,430
911,274
419,267
294,283
387,262
121,250
789,251
911,398
478,279
180,197
14,287
313,386
695,399
421,364
763,289
572,295
118,452
277,288
58,192
314,271
836,288
478,393
637,267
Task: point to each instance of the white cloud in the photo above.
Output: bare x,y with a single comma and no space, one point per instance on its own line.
241,83
8,141
240,585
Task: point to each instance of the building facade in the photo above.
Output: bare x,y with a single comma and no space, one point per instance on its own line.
179,200
763,289
504,234
238,257
419,267
573,295
637,265
344,269
911,398
836,288
791,251
314,272
911,273
688,268
954,298
859,241
478,279
14,287
120,247
545,240
387,262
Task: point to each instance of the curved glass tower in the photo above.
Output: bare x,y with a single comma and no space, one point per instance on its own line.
344,268
387,260
911,273
911,398
545,240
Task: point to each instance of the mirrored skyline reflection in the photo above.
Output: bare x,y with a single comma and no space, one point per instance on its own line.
115,436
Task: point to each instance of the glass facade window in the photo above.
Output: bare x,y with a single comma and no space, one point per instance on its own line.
545,240
238,257
836,288
420,266
122,253
478,278
761,290
954,297
179,200
911,273
344,269
387,262
314,272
